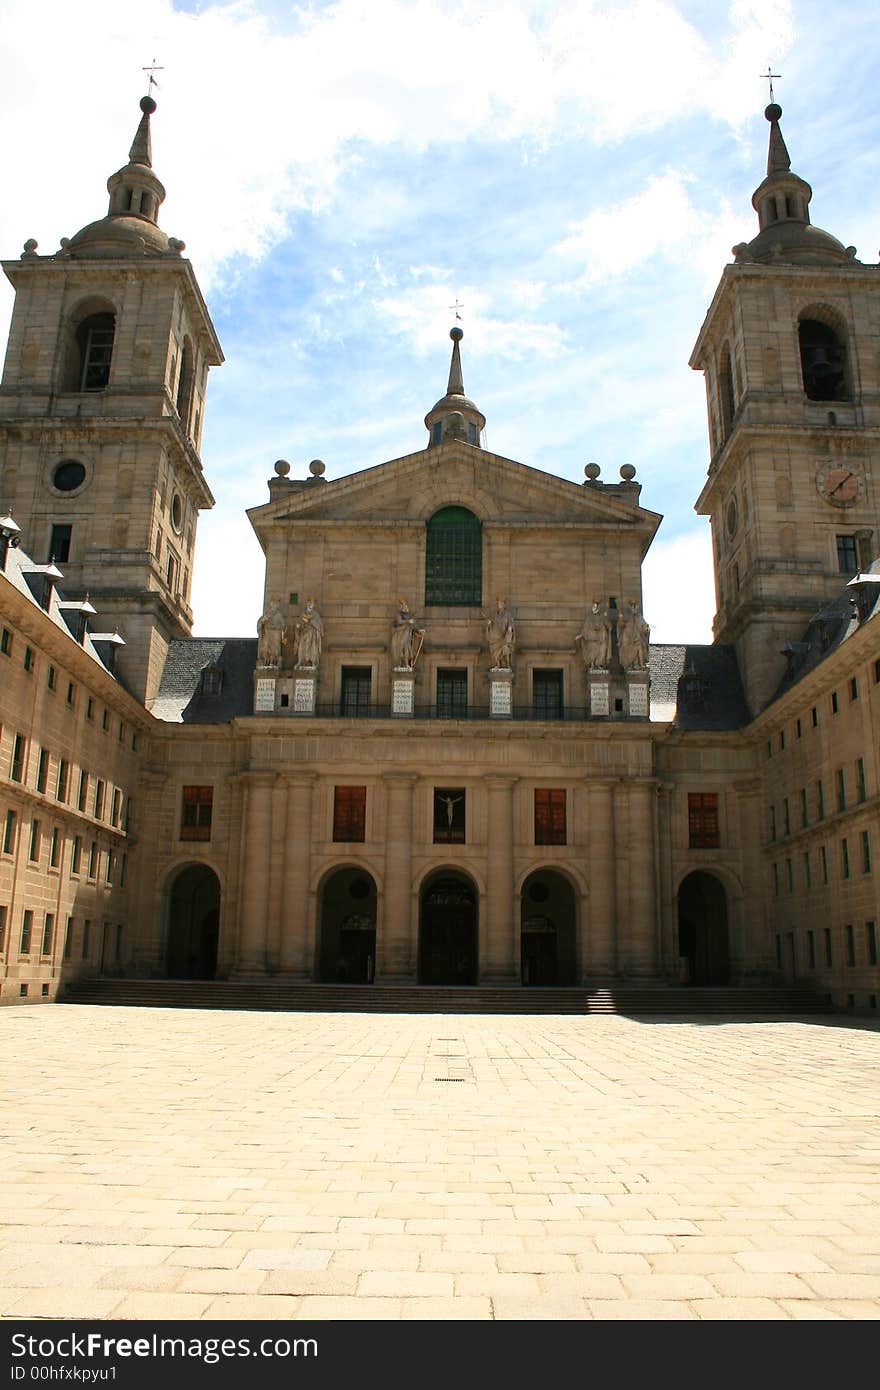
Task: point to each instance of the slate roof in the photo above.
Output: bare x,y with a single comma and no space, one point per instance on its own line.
696,687
834,623
181,700
24,575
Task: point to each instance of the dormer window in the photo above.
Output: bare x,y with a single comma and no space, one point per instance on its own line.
212,680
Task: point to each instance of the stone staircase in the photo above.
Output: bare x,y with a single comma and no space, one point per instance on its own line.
268,995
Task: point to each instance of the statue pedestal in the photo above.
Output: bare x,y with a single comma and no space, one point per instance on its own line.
305,689
500,693
637,706
264,690
599,688
403,684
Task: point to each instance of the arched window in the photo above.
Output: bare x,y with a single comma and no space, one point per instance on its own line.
454,559
94,341
185,383
823,361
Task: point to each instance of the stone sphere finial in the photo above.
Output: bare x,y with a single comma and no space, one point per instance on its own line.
773,111
591,472
147,105
627,472
282,468
456,334
317,468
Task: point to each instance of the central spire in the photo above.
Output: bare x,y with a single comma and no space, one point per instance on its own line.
455,417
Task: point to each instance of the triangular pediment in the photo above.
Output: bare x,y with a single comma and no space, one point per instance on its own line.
498,490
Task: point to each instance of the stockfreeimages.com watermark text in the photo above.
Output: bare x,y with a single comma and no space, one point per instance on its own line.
97,1346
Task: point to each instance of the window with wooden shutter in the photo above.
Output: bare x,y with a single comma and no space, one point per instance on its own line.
197,811
550,816
703,832
350,814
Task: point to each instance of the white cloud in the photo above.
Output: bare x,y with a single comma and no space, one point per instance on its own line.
678,588
421,314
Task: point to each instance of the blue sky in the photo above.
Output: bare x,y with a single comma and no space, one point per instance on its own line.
574,173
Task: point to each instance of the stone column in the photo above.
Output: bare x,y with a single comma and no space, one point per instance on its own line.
599,944
500,933
668,907
297,917
750,941
254,888
642,879
395,947
149,943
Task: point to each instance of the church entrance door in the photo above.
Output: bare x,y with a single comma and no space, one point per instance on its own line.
547,936
702,930
193,920
347,953
448,931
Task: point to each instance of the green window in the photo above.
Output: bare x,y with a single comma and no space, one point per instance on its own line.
454,559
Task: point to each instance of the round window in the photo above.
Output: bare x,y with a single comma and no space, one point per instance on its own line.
68,475
732,517
176,512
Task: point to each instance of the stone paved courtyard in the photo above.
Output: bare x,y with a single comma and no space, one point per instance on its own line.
193,1164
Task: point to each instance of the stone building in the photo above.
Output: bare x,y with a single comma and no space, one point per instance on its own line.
450,756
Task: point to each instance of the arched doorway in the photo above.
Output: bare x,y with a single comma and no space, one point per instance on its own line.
547,930
448,931
702,930
347,952
193,920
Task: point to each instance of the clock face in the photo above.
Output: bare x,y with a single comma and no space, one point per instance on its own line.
838,484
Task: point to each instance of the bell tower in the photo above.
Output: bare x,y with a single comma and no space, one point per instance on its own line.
790,349
101,406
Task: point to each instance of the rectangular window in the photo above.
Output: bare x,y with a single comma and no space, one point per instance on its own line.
48,933
789,875
99,799
356,690
83,789
9,833
42,770
808,870
71,692
870,942
829,958
844,857
798,729
853,688
814,717
90,708
811,949
4,912
6,642
85,941
786,815
59,543
820,801
105,720
772,822
877,671
122,872
847,562
703,827
108,869
196,813
860,779
68,939
76,857
835,706
823,860
63,778
547,694
782,740
115,805
121,734
449,815
16,771
550,826
804,810
866,851
93,859
28,659
776,880
841,789
27,924
850,946
51,678
350,814
451,694
34,850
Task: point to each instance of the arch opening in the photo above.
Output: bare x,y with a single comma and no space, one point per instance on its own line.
92,352
823,361
347,928
548,932
448,935
193,924
703,936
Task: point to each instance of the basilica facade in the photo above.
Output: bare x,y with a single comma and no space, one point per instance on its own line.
450,756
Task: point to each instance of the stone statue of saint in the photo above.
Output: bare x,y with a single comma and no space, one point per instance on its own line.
595,639
309,632
632,638
404,630
501,635
270,634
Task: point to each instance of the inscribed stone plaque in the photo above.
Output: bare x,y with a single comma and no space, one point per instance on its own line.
598,698
402,697
265,699
638,698
499,702
304,696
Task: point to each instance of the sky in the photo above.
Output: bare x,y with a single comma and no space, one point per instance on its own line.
573,173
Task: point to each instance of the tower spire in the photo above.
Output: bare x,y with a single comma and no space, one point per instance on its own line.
778,160
455,416
141,151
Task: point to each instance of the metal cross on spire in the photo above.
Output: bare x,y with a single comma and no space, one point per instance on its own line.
455,307
768,77
151,69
